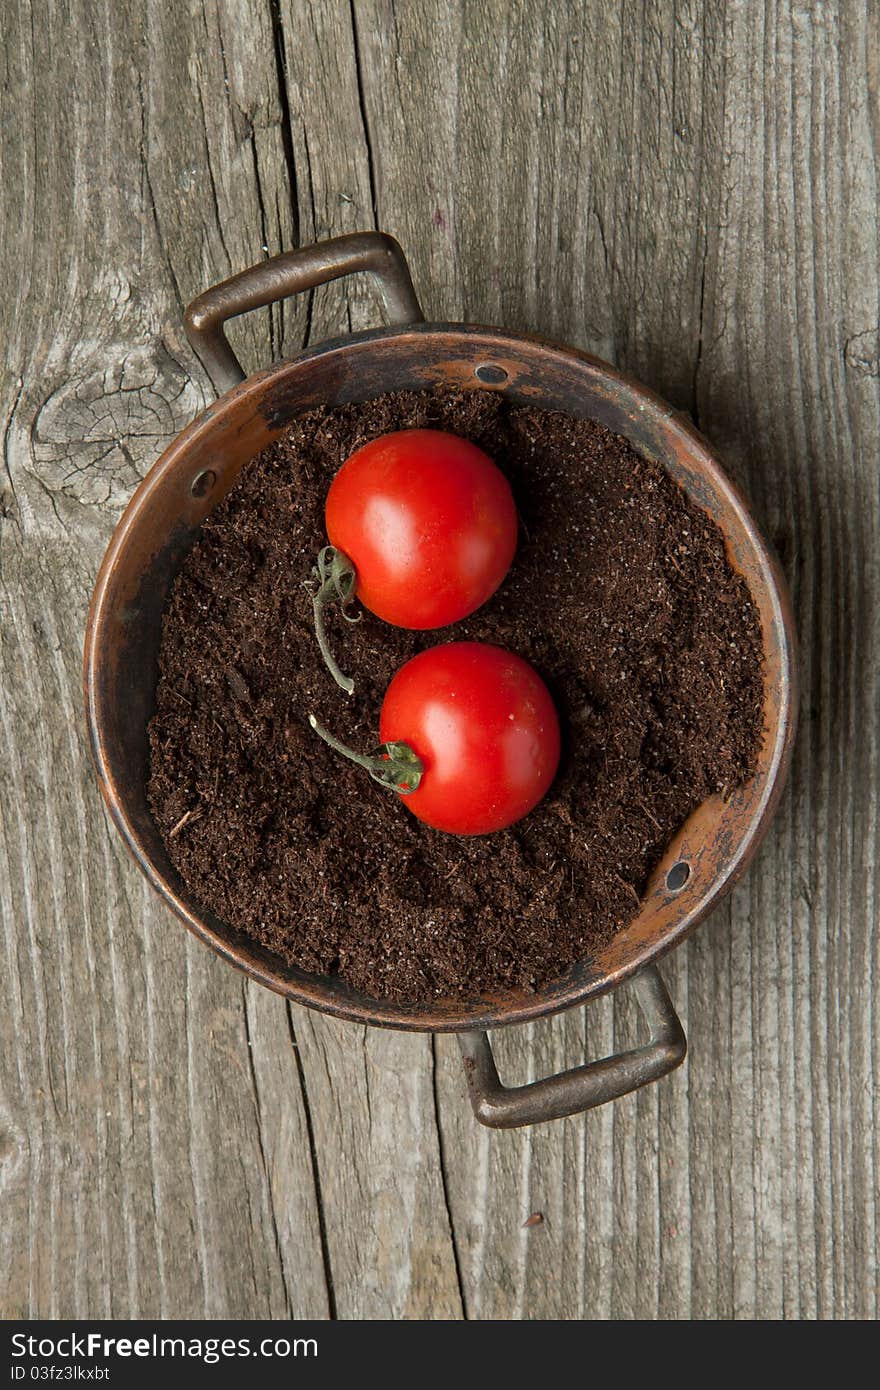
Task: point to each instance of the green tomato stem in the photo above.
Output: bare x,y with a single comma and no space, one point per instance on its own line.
333,580
393,765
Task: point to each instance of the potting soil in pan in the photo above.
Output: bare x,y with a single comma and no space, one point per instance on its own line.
620,594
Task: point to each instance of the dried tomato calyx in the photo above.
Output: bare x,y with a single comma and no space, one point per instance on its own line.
333,580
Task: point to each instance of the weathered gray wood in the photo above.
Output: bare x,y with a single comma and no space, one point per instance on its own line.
738,208
687,188
148,1165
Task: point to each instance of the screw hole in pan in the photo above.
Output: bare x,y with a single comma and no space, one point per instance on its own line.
203,482
490,374
678,876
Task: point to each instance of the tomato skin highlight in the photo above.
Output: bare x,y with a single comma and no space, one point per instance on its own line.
485,727
429,523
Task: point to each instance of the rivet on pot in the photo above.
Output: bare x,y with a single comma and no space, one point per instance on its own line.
490,374
678,876
203,482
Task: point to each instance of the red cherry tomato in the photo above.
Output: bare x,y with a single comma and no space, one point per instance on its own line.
429,523
485,728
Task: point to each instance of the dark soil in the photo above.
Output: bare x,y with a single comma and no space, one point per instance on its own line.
622,597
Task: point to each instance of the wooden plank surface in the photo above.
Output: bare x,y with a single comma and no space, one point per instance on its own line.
687,188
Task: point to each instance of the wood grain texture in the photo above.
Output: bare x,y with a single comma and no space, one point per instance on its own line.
688,188
145,1169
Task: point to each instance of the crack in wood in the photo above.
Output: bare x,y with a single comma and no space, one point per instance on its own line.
444,1182
264,234
7,452
316,1171
362,103
310,298
279,51
258,1110
280,56
698,356
212,183
151,197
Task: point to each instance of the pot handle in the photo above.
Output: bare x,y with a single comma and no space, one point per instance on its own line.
292,273
569,1093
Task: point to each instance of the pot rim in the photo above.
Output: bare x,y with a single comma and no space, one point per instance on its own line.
486,1012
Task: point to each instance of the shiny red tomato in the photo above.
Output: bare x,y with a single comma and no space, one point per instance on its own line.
485,730
429,524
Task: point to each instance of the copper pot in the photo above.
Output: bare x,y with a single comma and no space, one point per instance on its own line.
198,468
